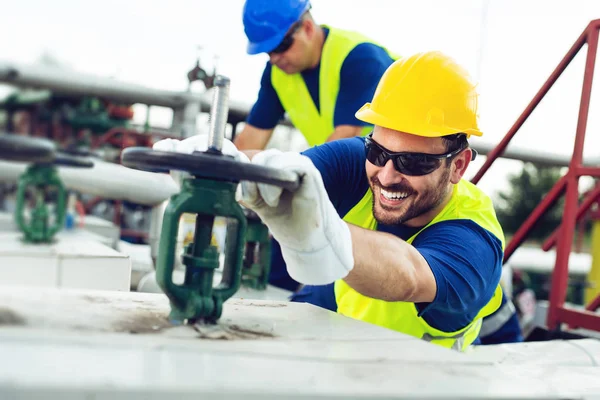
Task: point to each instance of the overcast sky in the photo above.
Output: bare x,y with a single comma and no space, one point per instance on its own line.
510,47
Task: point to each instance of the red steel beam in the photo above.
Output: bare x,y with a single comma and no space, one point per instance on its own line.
548,201
560,274
579,319
594,305
587,202
588,171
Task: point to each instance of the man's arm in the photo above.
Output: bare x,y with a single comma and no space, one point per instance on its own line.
252,138
451,267
388,268
266,112
345,131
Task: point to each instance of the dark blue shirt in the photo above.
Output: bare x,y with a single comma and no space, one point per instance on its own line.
359,76
466,260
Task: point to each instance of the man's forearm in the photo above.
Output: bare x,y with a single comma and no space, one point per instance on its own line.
252,138
388,268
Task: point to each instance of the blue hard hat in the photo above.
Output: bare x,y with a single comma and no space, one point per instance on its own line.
267,21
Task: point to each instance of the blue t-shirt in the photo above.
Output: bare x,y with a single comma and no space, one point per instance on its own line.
359,76
466,260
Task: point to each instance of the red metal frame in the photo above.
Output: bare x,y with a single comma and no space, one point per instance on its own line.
588,201
594,304
567,185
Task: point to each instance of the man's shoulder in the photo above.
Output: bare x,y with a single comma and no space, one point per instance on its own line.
361,46
373,52
348,148
456,229
472,203
369,60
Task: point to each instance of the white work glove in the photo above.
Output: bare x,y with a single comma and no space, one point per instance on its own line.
198,143
315,242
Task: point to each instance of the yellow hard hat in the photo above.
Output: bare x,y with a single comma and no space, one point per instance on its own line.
427,94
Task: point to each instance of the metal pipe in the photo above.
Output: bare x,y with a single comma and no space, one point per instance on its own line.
218,114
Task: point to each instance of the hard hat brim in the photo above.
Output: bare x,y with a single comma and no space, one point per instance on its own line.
367,114
266,45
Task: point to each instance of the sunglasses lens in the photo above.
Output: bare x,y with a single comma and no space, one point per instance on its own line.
285,44
287,40
376,155
416,164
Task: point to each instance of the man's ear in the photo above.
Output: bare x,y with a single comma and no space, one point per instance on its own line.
309,27
459,165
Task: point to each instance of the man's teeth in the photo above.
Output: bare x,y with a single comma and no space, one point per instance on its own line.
394,195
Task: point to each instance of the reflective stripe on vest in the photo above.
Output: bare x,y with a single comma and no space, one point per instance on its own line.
458,338
494,322
294,95
467,202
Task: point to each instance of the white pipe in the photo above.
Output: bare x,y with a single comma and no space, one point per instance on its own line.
542,158
64,81
107,180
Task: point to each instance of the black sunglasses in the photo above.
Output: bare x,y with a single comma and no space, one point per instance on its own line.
288,39
412,164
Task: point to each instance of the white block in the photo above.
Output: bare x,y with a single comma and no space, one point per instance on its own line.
70,261
20,267
101,227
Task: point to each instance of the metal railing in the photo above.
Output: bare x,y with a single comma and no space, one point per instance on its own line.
558,313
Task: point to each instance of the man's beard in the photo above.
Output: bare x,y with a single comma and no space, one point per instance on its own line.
420,204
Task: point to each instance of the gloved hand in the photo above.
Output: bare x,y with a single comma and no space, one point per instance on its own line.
198,143
315,242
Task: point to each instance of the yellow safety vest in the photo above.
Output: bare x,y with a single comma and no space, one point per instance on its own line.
467,202
295,97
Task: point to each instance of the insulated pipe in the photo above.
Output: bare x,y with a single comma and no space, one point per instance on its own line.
64,81
67,82
107,180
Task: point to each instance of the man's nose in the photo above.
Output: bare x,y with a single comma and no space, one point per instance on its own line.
388,175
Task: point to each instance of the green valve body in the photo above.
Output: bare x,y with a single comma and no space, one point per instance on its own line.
40,228
197,299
